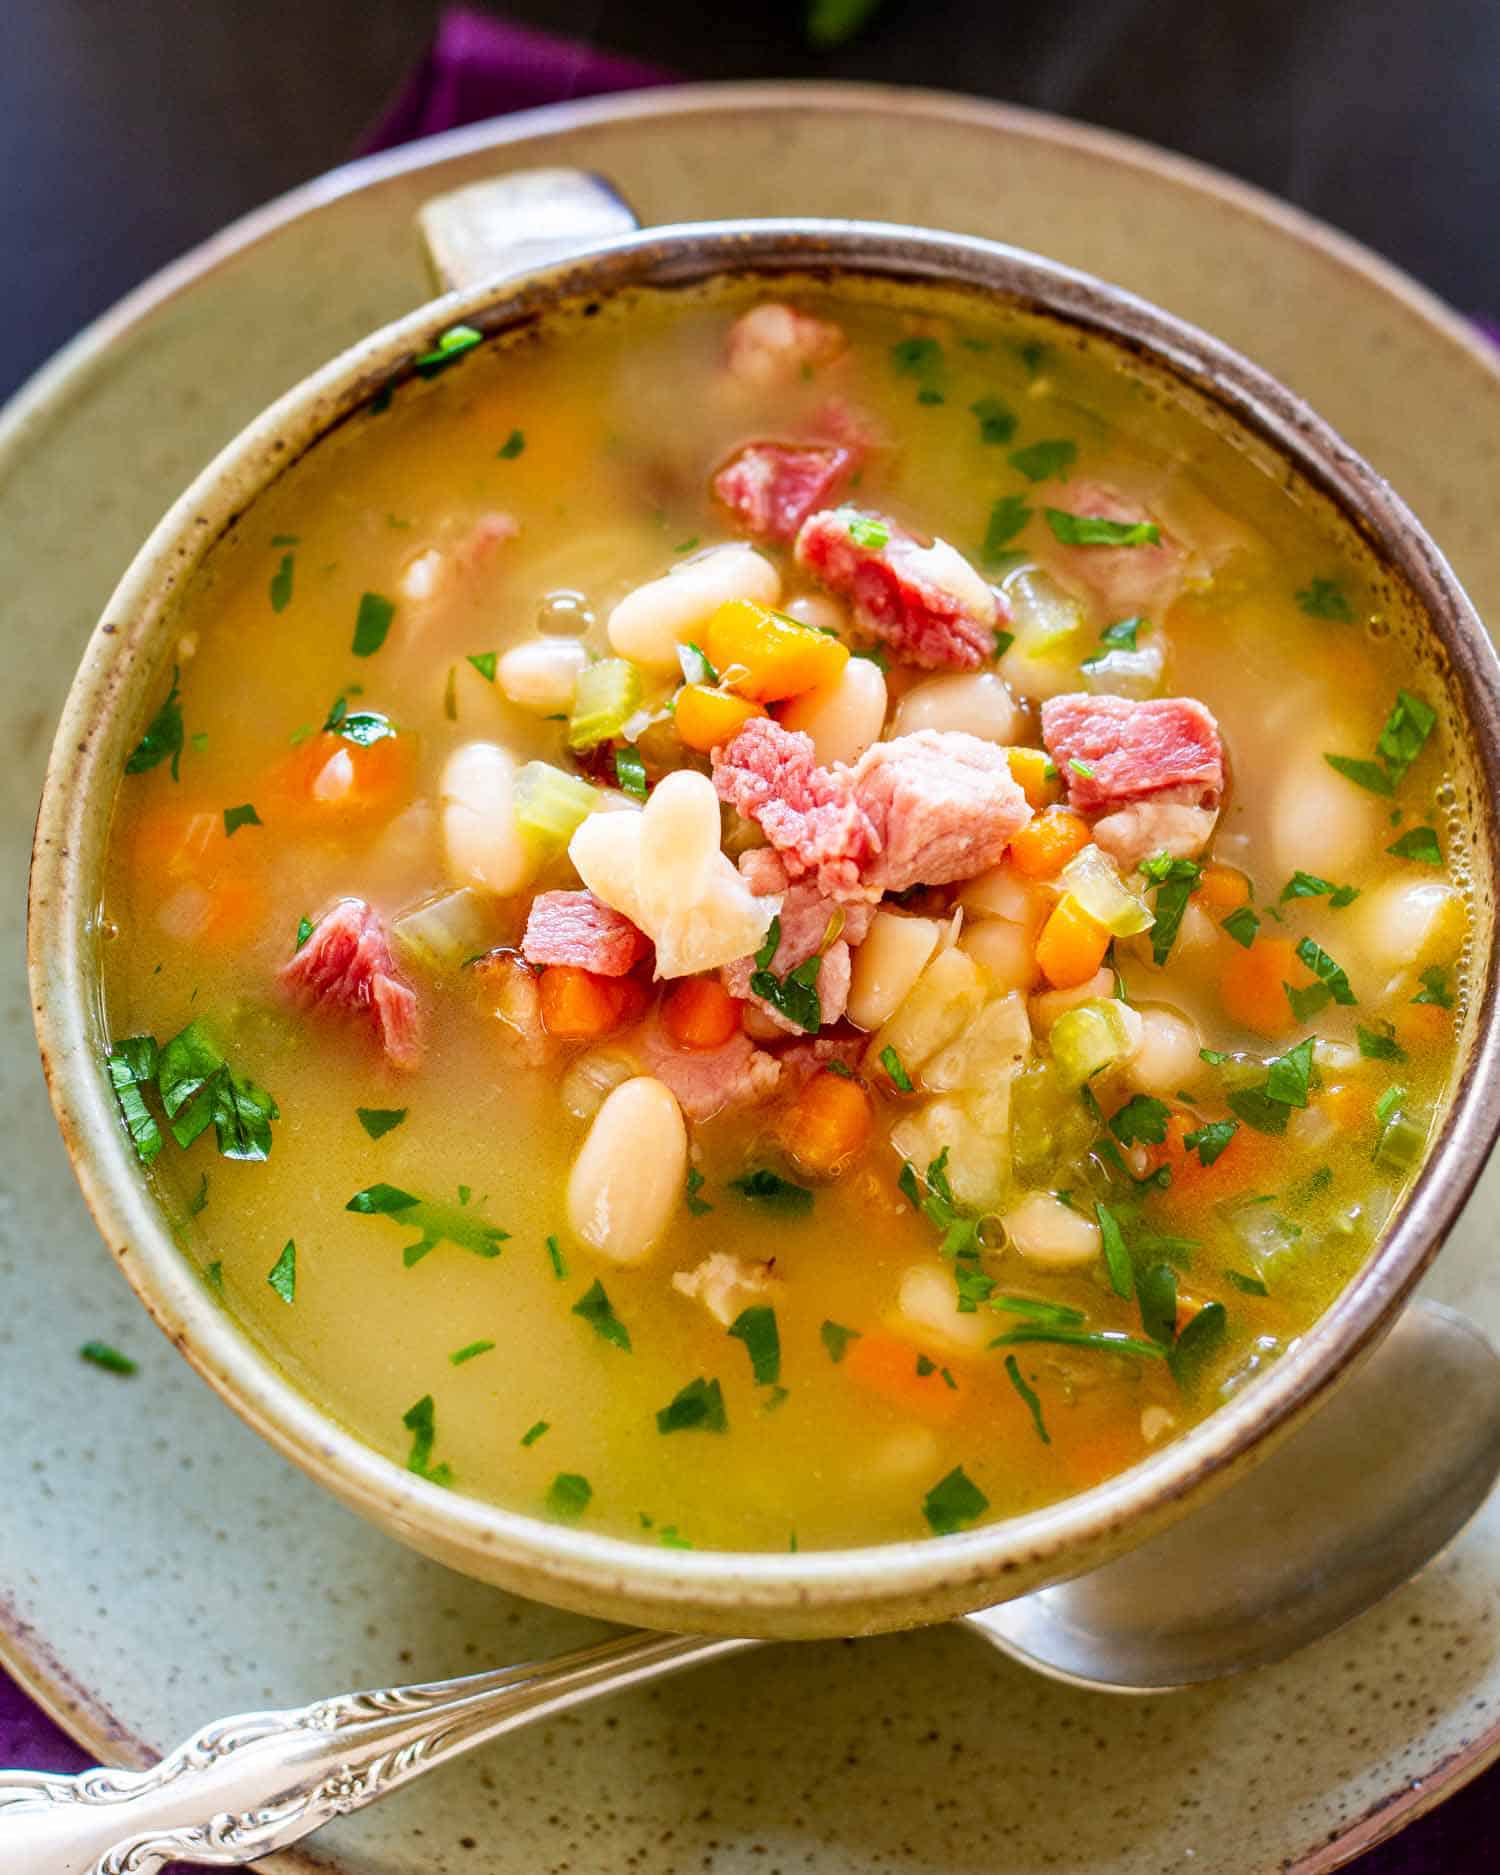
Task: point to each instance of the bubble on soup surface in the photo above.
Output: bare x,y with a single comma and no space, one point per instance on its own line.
564,614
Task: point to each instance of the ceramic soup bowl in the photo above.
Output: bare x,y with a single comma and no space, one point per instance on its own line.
511,251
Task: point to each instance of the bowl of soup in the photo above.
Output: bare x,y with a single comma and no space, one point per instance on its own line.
783,928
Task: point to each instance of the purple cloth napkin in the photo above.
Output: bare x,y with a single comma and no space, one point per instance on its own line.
480,66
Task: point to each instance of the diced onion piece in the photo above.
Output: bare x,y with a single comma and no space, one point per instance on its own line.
977,1142
948,995
1122,673
1047,1232
592,1077
1002,892
896,950
1093,1037
1094,880
443,933
605,696
1048,628
551,804
988,1051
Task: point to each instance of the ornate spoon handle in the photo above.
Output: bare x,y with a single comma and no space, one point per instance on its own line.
244,1787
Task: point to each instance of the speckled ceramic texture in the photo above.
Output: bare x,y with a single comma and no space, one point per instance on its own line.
130,1603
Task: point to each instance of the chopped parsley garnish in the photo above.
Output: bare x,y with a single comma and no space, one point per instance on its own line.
630,771
101,1354
286,540
929,395
1101,1340
199,1200
896,1069
450,347
1324,598
1377,1047
1049,1314
484,662
1141,1121
1121,636
1402,740
283,1276
132,1065
534,1432
907,1185
697,1206
1388,1103
1003,642
378,1121
421,1422
1209,1141
1008,516
795,995
1258,1110
953,1501
305,929
1116,1256
197,1089
1309,885
281,584
512,446
569,1495
1289,1076
1081,768
213,1275
1363,774
756,1327
438,1223
866,531
698,1407
1435,988
1247,1285
163,737
1242,925
1174,880
461,1356
1094,530
555,1258
696,668
1156,1296
595,1308
371,623
237,817
916,357
1420,844
997,421
764,1186
1332,982
841,1068
1033,1404
1039,462
1197,1345
836,1338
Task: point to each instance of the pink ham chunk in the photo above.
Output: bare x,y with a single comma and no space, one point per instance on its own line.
807,918
346,967
709,1081
924,809
1111,751
1114,582
577,928
773,487
771,346
927,603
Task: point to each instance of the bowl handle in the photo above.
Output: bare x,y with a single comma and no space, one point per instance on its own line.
495,227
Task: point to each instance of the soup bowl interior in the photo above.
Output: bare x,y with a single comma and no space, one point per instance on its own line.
846,1591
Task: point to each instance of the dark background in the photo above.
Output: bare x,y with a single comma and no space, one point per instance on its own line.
130,129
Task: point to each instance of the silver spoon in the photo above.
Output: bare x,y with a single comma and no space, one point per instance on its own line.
1350,1507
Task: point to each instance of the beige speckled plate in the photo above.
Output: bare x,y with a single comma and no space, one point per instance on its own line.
158,1565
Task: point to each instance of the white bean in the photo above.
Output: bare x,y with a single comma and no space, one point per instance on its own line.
894,954
1002,892
482,842
679,836
820,610
929,1301
844,717
541,674
648,624
1321,822
978,702
1403,925
630,1171
942,1002
1047,1233
1005,952
1166,1057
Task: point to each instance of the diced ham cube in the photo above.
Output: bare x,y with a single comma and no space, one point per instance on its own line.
770,345
708,1081
577,928
807,918
773,487
726,1285
1111,751
927,603
803,1060
1115,582
923,809
346,966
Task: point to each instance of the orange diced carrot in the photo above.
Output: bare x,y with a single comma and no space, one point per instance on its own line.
579,1004
1095,1451
698,1012
1243,1163
1072,945
887,1365
705,717
1422,1025
1035,773
1251,984
1045,845
1221,890
328,777
827,1124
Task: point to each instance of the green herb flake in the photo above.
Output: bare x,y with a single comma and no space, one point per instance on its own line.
378,1121
1174,880
997,421
305,929
569,1495
895,1068
512,446
534,1432
1156,1296
163,738
1257,1110
556,1259
1049,1314
286,540
1003,642
1328,973
462,1356
953,1502
213,1275
421,1422
763,1186
198,1089
237,817
1369,775
1324,598
1039,462
1420,844
1121,636
101,1354
1116,1256
1309,885
1375,1046
697,1206
199,1200
437,1222
916,357
132,1067
795,995
1289,1076
1242,925
283,1276
281,584
868,531
450,347
1435,988
1405,734
595,1308
1247,1285
698,1407
1141,1121
695,665
1007,517
1095,530
836,1338
630,771
1100,1340
1033,1404
1210,1140
484,662
756,1327
1196,1346
371,623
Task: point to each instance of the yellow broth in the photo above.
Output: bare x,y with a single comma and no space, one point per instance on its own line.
600,447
